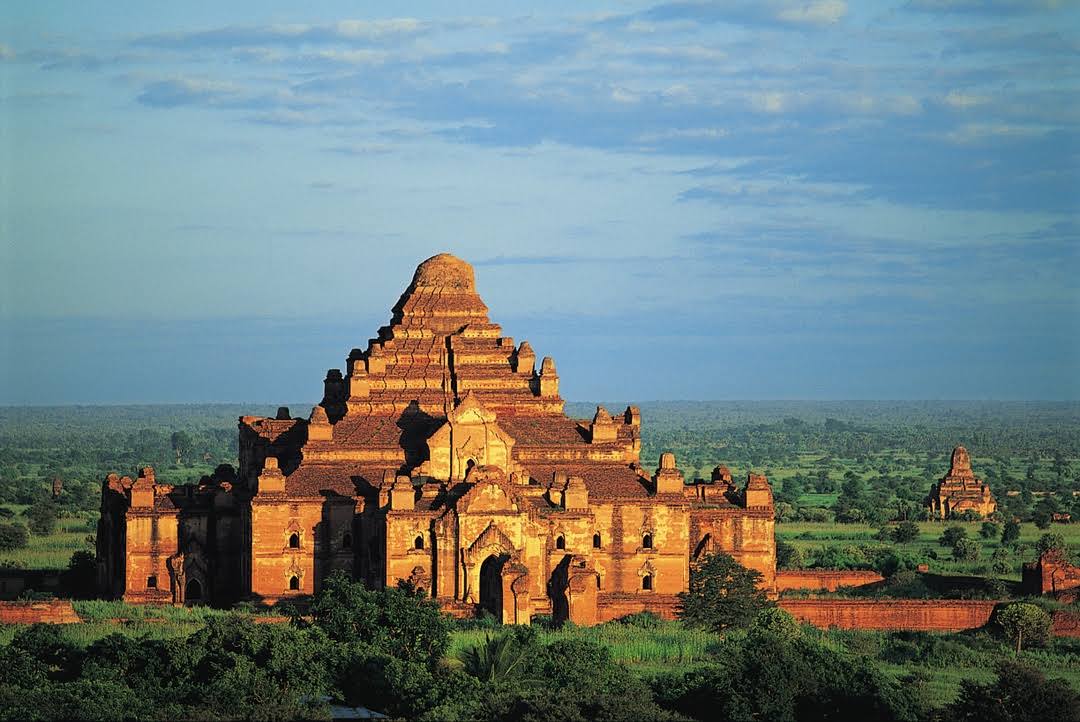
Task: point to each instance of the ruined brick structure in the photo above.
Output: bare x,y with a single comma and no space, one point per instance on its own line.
1052,574
442,456
959,491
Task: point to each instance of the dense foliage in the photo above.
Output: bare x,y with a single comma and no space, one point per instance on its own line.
721,594
226,667
784,677
1019,694
230,669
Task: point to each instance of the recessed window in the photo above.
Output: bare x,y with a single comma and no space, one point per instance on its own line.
346,541
151,581
294,582
646,582
646,541
596,541
418,542
294,541
560,542
599,582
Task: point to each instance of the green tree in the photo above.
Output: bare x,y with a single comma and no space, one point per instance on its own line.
722,594
989,530
41,518
776,623
951,535
1024,623
1010,533
13,536
905,531
1019,694
768,677
80,578
788,556
398,622
966,550
181,443
1000,562
1047,542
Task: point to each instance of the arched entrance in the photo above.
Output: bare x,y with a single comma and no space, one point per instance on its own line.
491,585
193,592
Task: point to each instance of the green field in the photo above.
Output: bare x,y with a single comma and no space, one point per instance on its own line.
810,537
53,551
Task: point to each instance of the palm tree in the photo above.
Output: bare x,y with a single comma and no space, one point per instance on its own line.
495,659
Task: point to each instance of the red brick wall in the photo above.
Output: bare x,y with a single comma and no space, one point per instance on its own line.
1067,624
824,579
52,612
938,615
613,606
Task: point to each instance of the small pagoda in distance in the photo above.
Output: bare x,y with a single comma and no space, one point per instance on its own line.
960,491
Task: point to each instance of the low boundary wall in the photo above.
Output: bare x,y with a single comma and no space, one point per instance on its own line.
934,615
824,579
51,612
613,606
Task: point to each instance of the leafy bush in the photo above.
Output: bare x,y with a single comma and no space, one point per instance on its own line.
769,677
1000,563
788,556
642,620
1010,533
905,531
41,518
13,536
951,535
1048,542
1019,694
966,550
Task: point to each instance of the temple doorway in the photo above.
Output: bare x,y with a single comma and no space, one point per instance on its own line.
491,585
193,591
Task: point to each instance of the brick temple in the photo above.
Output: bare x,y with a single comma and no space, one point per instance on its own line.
960,491
441,456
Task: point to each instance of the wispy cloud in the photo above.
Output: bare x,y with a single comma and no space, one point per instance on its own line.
987,7
189,91
343,31
761,12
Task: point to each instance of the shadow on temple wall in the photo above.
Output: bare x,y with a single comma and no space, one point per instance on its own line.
557,586
416,426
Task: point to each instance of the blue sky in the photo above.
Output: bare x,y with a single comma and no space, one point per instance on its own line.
683,200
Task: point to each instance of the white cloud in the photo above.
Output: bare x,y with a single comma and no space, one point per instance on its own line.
819,13
975,132
770,102
379,28
963,101
685,134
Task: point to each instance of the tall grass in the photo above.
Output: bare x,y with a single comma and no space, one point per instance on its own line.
667,643
97,610
86,633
